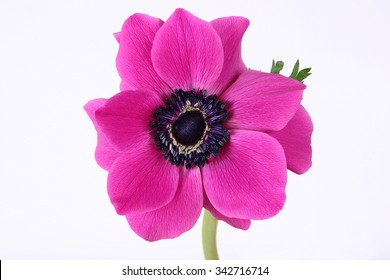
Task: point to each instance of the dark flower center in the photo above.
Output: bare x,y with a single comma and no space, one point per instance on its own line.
188,130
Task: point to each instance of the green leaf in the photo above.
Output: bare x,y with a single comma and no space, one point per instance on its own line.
294,72
273,66
303,74
277,67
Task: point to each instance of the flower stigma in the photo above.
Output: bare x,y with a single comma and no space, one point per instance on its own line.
188,130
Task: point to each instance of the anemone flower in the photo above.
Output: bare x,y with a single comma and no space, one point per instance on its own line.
193,128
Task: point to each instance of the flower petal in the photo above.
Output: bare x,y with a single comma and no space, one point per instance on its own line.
124,118
247,180
262,101
187,52
141,180
124,86
237,223
133,60
117,36
105,154
295,139
230,30
177,217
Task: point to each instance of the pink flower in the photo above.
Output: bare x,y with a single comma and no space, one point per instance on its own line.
192,127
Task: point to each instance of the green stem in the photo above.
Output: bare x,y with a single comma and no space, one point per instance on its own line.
209,236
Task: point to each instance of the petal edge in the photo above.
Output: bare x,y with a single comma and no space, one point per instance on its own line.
248,178
187,52
262,101
177,217
230,30
105,154
133,60
141,180
295,139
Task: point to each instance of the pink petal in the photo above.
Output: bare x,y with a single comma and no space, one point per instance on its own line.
247,180
262,101
141,180
177,217
230,30
117,36
124,118
295,139
104,153
91,108
133,61
187,52
237,223
124,86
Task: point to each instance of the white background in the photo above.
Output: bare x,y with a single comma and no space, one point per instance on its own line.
57,55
